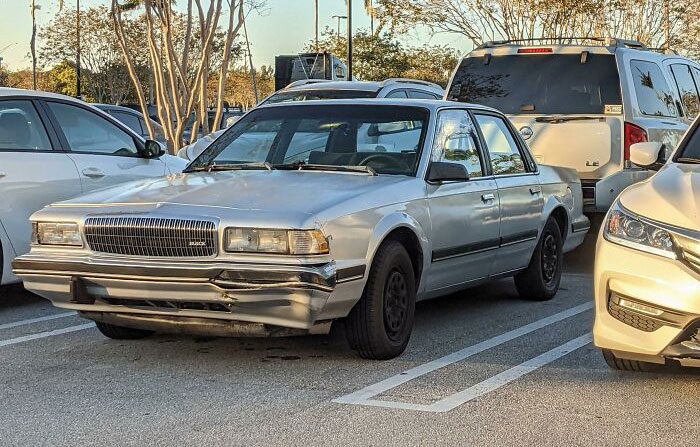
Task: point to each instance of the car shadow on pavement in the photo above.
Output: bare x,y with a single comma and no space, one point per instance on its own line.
14,296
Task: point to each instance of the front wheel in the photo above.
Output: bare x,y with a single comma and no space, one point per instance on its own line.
380,324
540,281
121,333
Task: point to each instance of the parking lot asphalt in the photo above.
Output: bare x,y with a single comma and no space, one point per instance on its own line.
482,368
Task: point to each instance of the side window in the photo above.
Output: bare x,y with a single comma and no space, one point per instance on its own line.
88,132
131,121
456,141
687,89
653,93
417,94
144,129
501,146
397,94
20,127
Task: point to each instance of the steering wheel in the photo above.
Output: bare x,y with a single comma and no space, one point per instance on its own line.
388,161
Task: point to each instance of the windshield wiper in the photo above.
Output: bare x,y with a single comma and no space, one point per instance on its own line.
695,161
211,167
300,165
563,119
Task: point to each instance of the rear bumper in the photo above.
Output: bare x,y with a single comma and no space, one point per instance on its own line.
599,195
182,296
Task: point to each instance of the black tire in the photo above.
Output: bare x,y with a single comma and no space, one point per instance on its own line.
540,281
379,326
122,333
619,364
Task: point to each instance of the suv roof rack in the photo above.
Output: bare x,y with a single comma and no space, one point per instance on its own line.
409,81
601,41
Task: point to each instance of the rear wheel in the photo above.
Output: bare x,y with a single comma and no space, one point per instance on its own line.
540,281
122,333
380,324
626,365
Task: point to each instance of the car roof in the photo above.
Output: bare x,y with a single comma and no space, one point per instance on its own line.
375,86
432,104
116,108
8,91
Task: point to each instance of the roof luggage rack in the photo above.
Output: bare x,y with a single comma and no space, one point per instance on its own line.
600,41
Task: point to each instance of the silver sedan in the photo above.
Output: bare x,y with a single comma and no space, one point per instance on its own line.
303,214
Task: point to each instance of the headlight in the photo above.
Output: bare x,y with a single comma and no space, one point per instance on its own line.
258,240
624,228
56,233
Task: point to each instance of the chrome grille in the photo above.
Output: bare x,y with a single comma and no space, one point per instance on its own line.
151,236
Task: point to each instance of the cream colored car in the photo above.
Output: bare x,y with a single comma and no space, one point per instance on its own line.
647,270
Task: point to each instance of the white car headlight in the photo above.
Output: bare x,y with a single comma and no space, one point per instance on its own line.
56,233
259,240
624,228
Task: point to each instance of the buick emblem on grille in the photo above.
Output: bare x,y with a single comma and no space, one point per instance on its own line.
197,244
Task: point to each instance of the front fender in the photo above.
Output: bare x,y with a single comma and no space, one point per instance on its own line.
395,221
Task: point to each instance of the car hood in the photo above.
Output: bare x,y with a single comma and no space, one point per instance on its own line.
272,193
671,196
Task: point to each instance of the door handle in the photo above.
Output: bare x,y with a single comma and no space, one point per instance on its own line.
487,197
535,191
93,173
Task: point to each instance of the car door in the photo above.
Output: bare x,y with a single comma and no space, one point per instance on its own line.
519,191
464,215
34,172
104,151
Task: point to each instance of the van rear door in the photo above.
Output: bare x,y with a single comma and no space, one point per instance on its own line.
566,103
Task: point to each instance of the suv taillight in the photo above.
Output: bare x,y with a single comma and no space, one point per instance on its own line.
633,134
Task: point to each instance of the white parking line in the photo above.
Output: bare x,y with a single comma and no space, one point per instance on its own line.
37,320
364,396
14,341
491,384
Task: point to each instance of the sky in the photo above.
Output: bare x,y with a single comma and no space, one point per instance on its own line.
284,28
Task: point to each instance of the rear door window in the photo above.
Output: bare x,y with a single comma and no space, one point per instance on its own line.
397,94
653,93
503,150
132,121
539,83
20,127
687,89
417,94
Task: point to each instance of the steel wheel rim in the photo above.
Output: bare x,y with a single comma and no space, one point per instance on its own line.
550,258
395,304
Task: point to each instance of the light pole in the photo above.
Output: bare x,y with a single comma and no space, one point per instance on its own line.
77,56
34,7
349,40
339,19
316,20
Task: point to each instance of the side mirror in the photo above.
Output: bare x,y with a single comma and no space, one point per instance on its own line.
152,149
442,171
649,155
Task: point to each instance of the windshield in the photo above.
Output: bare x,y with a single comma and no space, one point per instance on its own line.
539,84
691,150
387,139
307,95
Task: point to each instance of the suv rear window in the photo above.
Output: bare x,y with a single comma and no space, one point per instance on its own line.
539,84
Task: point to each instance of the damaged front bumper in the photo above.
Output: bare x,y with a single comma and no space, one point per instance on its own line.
198,297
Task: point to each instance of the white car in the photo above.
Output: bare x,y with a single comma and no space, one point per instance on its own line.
647,271
581,103
54,148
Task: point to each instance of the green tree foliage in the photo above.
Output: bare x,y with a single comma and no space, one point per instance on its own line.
381,56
